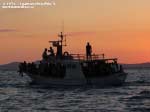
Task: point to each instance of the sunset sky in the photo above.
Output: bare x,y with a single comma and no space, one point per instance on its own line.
118,28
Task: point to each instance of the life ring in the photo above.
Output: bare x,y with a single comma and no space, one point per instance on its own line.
66,53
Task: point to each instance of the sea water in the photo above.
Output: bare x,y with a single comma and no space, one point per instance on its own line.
17,95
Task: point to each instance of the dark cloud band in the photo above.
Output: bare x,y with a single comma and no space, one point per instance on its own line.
8,30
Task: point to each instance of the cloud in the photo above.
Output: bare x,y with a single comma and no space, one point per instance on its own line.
18,33
7,30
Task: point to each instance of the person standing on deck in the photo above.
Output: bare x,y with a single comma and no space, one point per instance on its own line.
44,55
59,51
51,51
88,51
51,56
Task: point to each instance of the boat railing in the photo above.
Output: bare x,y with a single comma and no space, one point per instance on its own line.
83,56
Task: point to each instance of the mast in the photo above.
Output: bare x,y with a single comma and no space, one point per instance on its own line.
59,44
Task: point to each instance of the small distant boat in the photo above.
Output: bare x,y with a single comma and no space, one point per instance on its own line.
67,69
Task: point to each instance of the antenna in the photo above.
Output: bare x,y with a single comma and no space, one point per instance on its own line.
63,30
63,26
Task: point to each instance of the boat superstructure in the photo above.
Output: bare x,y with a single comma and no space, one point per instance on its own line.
64,68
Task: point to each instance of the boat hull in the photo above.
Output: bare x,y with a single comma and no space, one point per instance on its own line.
116,79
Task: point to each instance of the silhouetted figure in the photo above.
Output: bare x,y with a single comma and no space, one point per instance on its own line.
51,56
22,68
40,68
88,51
121,68
103,55
33,68
29,68
59,51
117,66
51,51
44,55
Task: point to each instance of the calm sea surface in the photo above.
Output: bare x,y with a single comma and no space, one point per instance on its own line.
16,95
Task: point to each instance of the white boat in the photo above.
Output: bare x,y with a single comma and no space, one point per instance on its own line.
66,69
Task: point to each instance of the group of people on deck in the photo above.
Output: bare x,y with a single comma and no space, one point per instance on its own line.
45,55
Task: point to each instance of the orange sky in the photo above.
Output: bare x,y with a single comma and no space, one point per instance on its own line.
115,27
